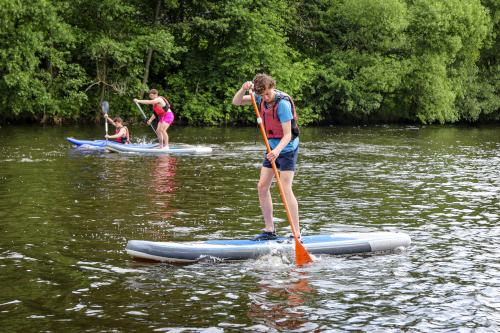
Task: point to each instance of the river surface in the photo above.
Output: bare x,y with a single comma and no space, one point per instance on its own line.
66,215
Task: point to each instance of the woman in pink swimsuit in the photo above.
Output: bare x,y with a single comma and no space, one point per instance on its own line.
161,111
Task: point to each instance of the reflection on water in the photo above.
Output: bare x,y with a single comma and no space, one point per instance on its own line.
159,186
162,186
277,303
66,215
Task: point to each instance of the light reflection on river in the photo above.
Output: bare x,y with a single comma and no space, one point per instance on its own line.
66,215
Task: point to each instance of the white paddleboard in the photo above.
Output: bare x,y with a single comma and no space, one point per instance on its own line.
124,149
237,250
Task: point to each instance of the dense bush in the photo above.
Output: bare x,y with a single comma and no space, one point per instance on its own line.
342,60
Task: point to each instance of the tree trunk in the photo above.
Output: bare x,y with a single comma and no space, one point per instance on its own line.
150,52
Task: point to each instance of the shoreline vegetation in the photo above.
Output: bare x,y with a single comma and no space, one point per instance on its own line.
137,120
343,61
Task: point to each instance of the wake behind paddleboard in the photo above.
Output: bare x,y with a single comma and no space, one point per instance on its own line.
124,149
236,250
102,143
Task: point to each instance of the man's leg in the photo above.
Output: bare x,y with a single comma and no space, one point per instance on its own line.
266,202
286,178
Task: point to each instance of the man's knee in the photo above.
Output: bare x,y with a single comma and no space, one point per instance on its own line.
262,187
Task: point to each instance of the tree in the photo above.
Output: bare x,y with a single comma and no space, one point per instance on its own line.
115,37
446,37
229,42
393,59
38,78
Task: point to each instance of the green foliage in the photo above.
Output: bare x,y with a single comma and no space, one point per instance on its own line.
37,77
446,39
341,60
417,57
229,43
115,37
367,61
482,98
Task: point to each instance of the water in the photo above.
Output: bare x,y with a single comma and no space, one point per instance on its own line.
66,215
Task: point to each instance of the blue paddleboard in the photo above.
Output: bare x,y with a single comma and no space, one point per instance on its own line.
236,250
102,143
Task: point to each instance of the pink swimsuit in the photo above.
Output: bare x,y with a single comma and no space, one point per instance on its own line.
167,118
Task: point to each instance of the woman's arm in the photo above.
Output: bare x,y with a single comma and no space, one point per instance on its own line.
120,134
151,119
109,119
148,101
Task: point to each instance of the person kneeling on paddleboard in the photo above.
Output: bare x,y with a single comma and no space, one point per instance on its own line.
162,112
121,134
280,122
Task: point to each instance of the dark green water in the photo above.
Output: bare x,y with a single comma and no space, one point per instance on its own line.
66,215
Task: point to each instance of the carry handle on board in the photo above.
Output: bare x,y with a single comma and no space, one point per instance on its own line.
301,254
146,117
105,108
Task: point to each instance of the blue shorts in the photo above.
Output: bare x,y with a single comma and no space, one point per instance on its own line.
284,162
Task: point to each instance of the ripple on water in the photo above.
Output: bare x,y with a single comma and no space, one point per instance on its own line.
66,215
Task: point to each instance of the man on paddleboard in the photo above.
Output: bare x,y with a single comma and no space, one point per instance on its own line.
121,134
162,112
280,122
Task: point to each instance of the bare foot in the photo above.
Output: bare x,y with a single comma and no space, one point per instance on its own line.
165,148
158,147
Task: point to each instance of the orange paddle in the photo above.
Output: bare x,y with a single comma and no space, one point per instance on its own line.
301,254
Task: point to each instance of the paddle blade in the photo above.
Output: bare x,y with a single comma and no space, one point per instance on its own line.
105,107
301,255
